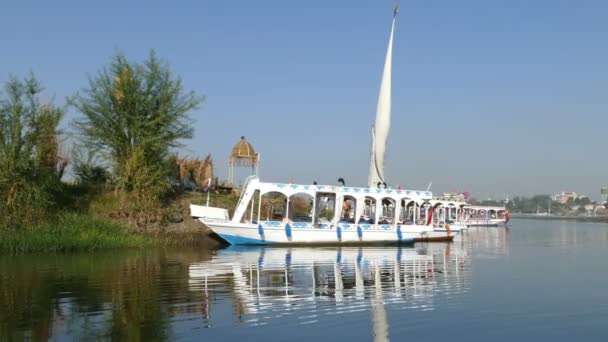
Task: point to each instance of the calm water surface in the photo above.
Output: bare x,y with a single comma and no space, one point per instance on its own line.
536,280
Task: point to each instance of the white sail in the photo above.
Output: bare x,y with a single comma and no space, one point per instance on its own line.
383,117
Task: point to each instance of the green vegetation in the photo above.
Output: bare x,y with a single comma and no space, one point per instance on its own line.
131,116
544,204
72,232
30,163
134,113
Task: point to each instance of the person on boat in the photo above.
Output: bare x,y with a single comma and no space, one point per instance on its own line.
346,209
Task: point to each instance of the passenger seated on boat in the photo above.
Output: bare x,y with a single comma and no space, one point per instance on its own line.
347,220
365,219
346,211
384,220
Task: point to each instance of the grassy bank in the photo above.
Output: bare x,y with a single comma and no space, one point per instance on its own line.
95,221
73,232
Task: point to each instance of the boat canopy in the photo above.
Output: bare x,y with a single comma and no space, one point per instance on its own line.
486,208
291,189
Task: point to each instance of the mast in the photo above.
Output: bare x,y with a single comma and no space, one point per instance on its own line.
383,115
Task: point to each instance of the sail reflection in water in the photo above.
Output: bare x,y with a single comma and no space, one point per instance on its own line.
309,282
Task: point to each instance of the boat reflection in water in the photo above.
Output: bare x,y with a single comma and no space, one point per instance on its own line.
269,283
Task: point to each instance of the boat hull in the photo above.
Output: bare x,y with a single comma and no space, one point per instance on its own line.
285,234
453,228
486,223
435,238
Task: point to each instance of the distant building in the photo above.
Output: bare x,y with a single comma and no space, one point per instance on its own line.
604,194
564,197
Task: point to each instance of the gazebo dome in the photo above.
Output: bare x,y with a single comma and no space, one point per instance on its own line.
243,153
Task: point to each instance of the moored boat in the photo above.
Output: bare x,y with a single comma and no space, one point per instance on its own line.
276,213
477,216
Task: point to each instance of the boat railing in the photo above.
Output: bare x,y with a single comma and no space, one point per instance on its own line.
245,185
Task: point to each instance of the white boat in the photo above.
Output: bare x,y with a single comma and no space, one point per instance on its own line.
486,216
273,213
447,215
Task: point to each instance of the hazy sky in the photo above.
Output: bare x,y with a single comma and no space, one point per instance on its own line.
490,96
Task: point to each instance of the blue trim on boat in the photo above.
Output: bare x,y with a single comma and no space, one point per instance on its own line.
238,240
288,231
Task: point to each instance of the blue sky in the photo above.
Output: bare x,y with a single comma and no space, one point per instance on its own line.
490,96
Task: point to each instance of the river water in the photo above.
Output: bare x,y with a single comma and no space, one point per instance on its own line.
535,280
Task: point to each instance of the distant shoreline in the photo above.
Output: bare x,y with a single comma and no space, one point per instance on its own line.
600,219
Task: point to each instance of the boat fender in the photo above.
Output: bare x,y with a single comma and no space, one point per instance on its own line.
447,227
260,230
288,231
359,232
339,232
399,234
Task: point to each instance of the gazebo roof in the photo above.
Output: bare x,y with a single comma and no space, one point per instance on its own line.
243,153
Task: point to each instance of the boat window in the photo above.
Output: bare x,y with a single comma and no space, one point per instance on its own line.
348,209
325,207
388,211
403,210
425,209
411,212
369,211
274,205
450,215
300,207
438,213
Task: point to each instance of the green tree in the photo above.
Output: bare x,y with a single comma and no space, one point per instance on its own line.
135,113
31,164
88,170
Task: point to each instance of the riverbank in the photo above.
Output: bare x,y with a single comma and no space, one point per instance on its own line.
598,219
101,228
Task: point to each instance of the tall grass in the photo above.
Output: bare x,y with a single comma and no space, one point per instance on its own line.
72,232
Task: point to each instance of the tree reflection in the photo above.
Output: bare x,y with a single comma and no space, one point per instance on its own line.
43,297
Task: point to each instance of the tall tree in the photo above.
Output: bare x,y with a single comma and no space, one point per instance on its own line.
31,164
135,112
